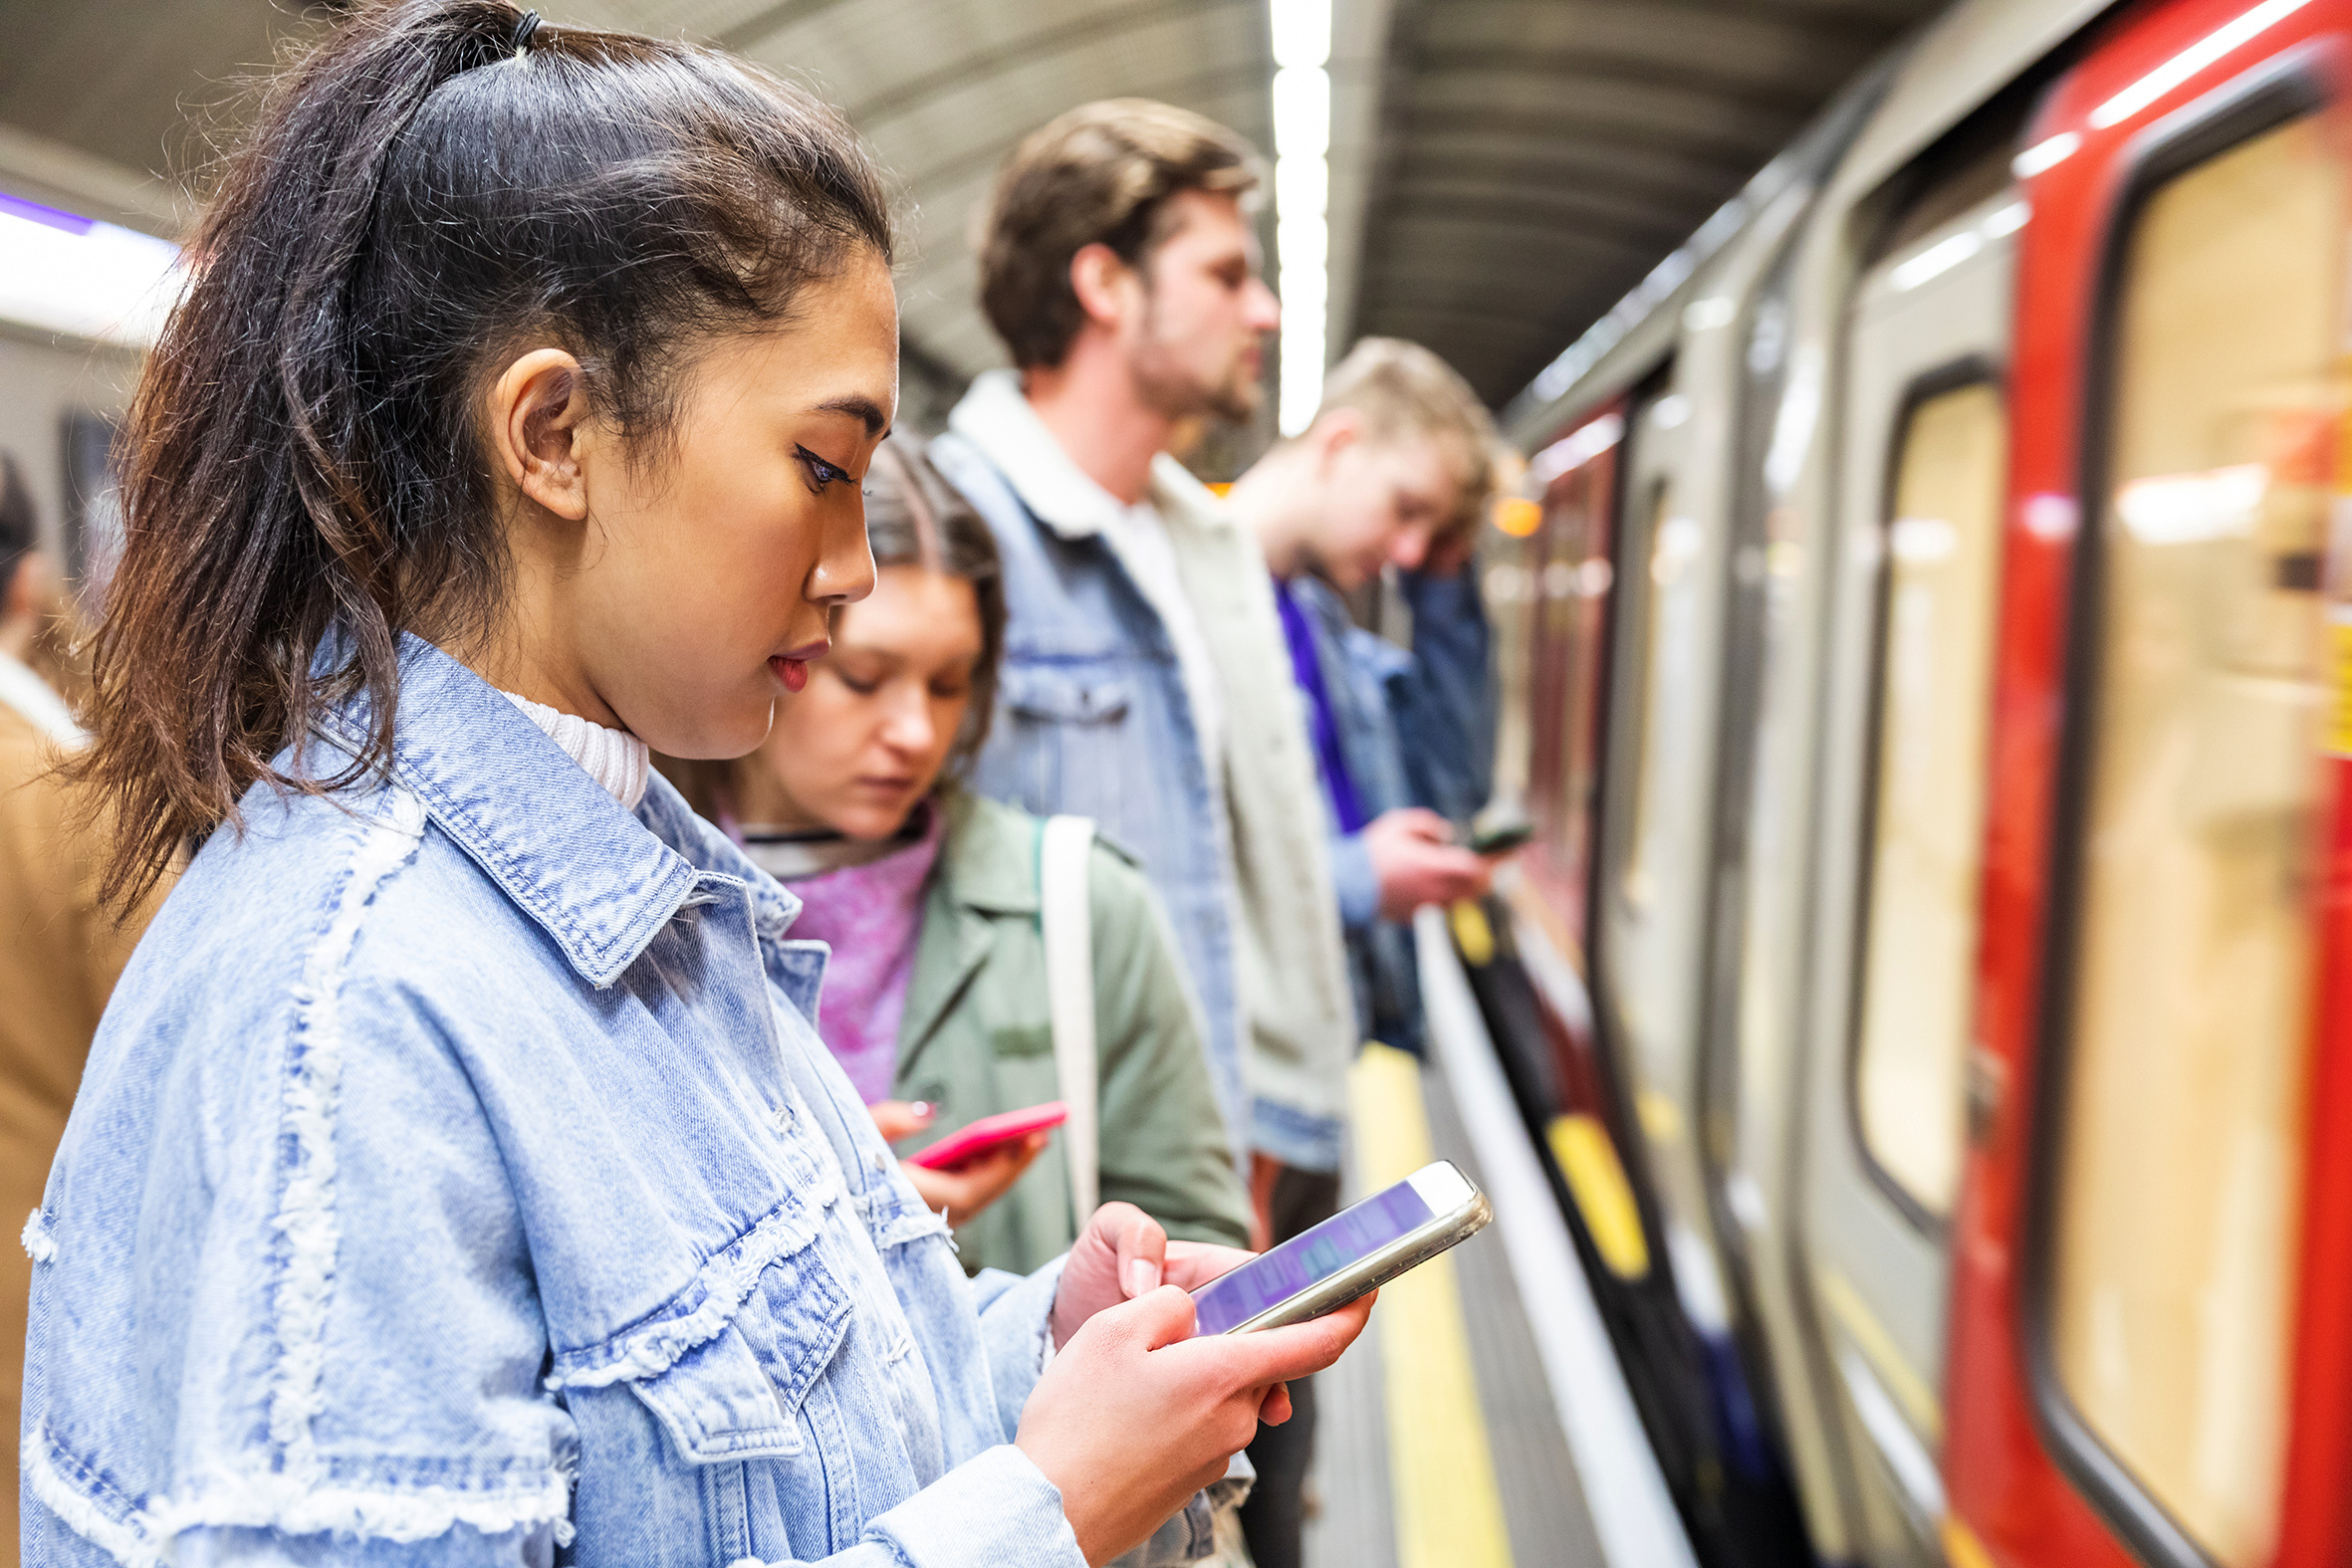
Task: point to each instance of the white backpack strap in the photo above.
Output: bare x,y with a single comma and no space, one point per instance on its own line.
1065,846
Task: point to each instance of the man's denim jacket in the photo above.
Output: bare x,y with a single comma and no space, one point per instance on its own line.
458,1180
1444,700
1093,720
1361,673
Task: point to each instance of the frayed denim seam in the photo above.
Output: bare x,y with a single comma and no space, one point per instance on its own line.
289,1506
131,1541
40,1239
307,1218
726,1284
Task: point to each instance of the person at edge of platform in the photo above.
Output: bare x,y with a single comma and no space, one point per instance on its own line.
1394,467
456,1178
1147,682
934,1003
1444,700
60,951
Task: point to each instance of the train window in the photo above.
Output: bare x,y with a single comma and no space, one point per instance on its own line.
1935,669
2180,1162
1669,642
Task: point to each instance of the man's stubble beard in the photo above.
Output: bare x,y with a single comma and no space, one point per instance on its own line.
1172,391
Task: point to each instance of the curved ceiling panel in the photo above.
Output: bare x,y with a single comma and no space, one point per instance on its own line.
1502,170
1540,157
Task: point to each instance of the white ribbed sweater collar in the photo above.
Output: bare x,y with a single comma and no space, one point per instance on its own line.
614,759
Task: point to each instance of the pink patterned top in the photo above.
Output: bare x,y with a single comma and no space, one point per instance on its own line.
872,912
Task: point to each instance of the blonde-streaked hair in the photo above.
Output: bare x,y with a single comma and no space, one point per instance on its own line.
1400,390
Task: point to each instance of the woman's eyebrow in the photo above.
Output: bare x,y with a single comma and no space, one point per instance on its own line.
858,407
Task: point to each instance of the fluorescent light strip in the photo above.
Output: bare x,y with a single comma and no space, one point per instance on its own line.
62,273
1302,35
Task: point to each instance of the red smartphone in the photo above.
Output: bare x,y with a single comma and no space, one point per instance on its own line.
961,1148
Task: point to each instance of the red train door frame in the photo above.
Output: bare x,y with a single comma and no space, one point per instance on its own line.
2028,1484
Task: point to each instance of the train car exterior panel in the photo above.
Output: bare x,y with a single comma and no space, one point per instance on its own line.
2076,1435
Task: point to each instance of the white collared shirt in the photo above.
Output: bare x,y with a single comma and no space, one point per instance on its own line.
39,706
997,419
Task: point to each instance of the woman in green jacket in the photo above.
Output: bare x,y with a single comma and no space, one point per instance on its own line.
936,1002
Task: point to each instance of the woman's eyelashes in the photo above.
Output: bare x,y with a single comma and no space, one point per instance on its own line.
822,474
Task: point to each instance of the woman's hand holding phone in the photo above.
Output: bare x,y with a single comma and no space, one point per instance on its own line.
1123,1254
970,1186
1136,1414
973,1186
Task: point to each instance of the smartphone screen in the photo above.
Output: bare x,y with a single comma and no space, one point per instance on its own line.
1277,1276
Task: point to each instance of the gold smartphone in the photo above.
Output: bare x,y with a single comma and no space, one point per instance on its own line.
1359,1249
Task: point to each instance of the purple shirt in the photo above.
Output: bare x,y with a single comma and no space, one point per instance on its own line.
872,914
1307,670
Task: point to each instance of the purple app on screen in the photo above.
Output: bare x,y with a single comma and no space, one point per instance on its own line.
1273,1278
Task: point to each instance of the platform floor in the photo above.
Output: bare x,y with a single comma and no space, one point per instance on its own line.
1476,1474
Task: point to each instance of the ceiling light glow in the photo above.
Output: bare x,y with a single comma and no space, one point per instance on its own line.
2220,41
1302,32
2044,156
1302,36
61,273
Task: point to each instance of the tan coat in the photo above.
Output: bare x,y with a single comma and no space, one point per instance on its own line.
59,957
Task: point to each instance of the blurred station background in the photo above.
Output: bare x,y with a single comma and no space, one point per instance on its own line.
1912,1063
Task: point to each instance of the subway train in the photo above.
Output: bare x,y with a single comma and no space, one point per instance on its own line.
1926,654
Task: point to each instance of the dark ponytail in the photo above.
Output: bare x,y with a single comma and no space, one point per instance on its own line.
421,201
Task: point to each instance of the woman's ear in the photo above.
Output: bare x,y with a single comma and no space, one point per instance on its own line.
539,408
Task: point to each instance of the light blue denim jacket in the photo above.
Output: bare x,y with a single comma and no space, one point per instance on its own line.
458,1180
1362,672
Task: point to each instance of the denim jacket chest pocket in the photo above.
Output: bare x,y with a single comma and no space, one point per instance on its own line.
726,1362
1075,742
1090,690
790,1357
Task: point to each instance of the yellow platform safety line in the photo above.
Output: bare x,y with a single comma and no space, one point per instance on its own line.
1472,931
1449,1511
1596,1180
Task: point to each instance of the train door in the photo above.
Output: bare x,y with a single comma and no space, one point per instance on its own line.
2152,1303
1914,603
1651,894
1661,627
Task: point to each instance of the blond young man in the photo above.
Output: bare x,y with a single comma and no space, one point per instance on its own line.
1394,467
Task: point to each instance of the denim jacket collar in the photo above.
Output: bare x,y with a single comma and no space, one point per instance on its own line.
996,418
599,881
1000,425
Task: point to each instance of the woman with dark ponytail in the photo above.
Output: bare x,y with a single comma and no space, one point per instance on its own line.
456,1178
